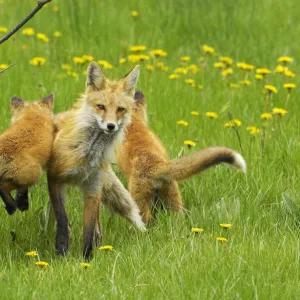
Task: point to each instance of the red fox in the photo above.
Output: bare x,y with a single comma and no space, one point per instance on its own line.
82,151
146,165
25,149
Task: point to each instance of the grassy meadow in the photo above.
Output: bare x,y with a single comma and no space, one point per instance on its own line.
261,254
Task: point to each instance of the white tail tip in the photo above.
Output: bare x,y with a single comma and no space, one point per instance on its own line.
239,162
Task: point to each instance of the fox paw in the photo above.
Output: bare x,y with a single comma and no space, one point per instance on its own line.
10,209
23,206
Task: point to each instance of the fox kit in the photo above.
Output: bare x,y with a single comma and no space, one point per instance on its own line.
82,151
149,172
25,149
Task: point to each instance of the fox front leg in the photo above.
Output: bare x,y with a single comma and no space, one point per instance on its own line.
57,192
10,204
91,223
22,199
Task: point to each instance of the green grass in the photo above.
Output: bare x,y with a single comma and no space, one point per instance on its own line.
261,259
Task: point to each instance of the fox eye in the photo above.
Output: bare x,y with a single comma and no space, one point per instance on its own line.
121,109
100,106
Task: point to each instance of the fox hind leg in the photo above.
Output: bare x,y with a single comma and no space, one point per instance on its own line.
171,197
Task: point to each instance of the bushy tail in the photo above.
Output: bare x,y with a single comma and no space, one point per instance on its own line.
187,166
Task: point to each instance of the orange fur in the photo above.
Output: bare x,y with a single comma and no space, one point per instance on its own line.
25,149
146,165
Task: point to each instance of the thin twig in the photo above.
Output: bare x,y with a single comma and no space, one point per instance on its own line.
2,71
236,131
40,4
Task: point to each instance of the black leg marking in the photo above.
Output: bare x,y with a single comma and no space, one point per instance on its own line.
10,204
22,200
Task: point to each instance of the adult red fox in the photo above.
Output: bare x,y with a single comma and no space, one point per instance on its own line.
148,169
25,149
82,151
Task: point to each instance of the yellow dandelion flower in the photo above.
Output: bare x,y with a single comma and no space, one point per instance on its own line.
219,65
235,122
78,60
37,61
180,71
28,31
234,85
173,76
194,68
271,88
85,265
226,226
150,68
263,71
55,9
133,58
43,37
280,69
66,67
259,77
3,66
158,53
289,86
189,143
134,14
122,60
87,58
42,264
289,73
279,111
211,115
138,48
244,66
227,60
195,113
208,50
245,82
222,240
253,130
285,59
182,122
57,34
3,29
105,64
107,247
197,230
185,58
265,116
143,57
190,81
31,254
227,72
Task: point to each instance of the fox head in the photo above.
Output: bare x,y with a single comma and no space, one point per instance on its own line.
19,107
109,102
140,106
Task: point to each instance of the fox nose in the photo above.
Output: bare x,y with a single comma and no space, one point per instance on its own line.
111,126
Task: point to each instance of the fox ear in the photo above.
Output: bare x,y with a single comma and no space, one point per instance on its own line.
139,97
130,80
95,79
49,101
16,103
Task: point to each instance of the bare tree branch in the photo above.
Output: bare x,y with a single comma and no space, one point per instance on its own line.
2,71
40,4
